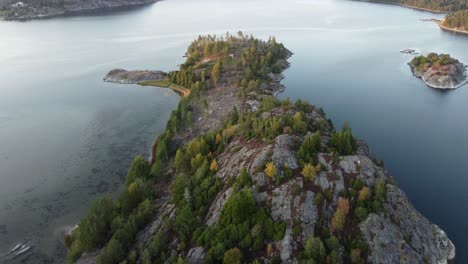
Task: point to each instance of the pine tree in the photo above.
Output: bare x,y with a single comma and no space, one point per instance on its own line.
216,72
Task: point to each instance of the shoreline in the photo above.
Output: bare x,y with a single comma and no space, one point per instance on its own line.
79,12
407,6
439,23
453,30
184,92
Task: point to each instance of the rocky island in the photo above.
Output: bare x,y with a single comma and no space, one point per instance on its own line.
242,177
439,71
34,9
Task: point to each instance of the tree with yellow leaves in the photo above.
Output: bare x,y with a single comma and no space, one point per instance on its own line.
339,217
214,165
270,170
338,220
309,172
270,249
343,204
364,194
218,138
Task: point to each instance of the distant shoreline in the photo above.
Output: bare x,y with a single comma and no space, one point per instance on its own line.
407,6
439,23
454,30
82,11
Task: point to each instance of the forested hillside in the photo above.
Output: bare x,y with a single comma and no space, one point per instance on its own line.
458,20
436,5
242,177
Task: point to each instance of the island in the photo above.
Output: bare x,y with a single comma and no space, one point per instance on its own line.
35,9
239,176
439,71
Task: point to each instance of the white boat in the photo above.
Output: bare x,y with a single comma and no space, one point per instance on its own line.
15,248
24,249
20,249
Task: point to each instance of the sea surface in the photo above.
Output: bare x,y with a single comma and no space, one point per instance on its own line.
67,137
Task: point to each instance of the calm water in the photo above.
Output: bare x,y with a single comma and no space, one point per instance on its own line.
66,137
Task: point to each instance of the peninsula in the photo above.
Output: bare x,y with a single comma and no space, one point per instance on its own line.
145,78
439,71
239,176
35,9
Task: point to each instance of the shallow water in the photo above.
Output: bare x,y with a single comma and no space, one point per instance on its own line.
66,137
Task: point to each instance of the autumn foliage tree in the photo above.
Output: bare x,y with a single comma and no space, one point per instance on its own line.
309,172
364,194
339,217
270,170
214,165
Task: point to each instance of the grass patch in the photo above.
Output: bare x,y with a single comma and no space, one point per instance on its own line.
166,84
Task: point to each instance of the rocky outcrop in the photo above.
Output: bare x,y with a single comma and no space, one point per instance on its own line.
196,255
405,236
133,77
27,10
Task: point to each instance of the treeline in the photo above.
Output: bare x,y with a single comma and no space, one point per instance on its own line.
436,5
114,225
457,20
432,59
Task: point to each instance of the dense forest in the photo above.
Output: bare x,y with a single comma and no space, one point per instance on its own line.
458,20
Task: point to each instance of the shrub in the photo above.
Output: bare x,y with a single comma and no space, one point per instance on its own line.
233,256
360,213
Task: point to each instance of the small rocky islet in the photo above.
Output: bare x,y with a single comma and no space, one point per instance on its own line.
242,177
439,71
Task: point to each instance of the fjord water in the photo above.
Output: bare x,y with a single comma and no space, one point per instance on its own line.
67,137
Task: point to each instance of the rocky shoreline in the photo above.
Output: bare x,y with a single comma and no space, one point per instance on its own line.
14,10
448,76
133,77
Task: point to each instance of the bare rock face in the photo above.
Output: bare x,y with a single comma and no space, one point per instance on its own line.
217,206
283,156
133,77
196,255
405,236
